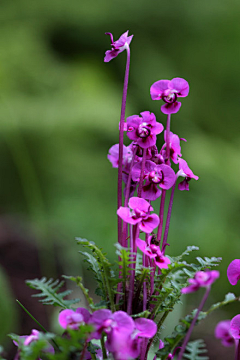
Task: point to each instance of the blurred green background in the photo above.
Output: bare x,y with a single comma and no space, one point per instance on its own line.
59,113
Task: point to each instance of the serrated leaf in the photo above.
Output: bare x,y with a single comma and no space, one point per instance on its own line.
49,292
195,350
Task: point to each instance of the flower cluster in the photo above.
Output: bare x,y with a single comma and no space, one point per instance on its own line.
124,335
137,299
229,330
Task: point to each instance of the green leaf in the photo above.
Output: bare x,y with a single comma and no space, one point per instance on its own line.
195,349
101,267
229,298
49,292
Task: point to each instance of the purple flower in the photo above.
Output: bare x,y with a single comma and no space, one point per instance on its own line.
143,129
113,155
223,332
169,91
153,252
233,271
138,212
28,339
201,279
185,172
161,175
117,46
174,145
73,319
123,334
235,327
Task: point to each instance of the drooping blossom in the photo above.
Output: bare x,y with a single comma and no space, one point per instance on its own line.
143,129
117,46
201,279
73,319
174,146
138,212
169,91
185,172
223,332
123,333
233,271
155,175
153,252
235,327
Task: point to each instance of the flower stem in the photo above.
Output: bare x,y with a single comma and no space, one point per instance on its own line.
237,351
103,348
161,215
167,139
134,231
121,132
164,243
187,337
142,173
124,231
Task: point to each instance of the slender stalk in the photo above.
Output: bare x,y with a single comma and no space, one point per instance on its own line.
145,263
37,322
164,243
140,186
162,204
161,215
83,351
121,132
167,139
124,231
237,352
134,231
187,337
103,348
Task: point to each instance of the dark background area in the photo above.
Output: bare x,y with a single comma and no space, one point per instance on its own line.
59,113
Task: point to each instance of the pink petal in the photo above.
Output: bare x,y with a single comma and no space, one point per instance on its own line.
158,88
146,327
180,85
235,327
169,176
147,225
172,108
125,214
233,271
138,203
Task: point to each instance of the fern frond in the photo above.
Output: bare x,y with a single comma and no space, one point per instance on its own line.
195,350
101,267
49,292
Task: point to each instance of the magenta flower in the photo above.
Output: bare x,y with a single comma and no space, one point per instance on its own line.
233,271
235,327
201,279
174,145
73,319
153,251
143,129
169,91
161,175
28,339
145,328
113,155
117,46
138,212
185,172
223,332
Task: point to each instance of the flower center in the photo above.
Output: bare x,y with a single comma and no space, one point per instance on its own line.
170,98
155,177
143,131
